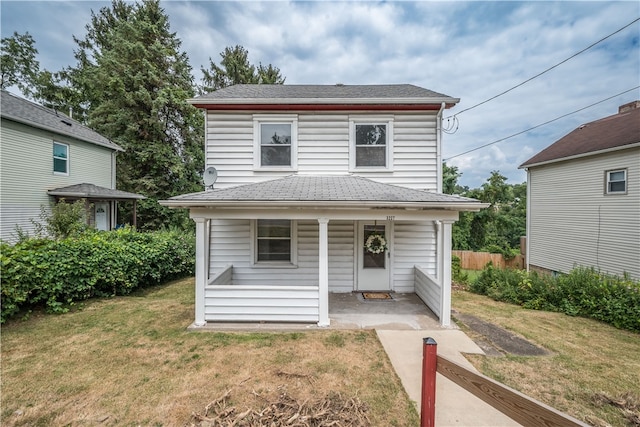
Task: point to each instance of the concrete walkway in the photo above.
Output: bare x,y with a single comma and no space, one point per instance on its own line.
401,326
454,405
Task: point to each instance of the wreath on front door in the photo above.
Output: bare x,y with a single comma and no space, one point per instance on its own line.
375,244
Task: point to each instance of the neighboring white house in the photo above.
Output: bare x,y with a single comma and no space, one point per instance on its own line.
583,203
45,156
306,175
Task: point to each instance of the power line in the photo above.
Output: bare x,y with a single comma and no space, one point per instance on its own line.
543,72
541,124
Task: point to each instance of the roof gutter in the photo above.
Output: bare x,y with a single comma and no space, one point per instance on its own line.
324,101
439,148
262,204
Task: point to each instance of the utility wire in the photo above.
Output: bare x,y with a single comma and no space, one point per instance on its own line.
541,124
545,71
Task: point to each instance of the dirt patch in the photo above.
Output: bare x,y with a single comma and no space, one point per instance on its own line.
497,341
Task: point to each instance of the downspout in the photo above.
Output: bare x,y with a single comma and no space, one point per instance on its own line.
439,148
528,219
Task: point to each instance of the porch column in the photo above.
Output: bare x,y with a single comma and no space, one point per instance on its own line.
444,273
201,268
323,272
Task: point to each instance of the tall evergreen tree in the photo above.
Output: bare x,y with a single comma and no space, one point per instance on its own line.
235,68
132,81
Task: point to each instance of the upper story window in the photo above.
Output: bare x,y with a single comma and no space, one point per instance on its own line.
275,142
60,158
617,181
371,144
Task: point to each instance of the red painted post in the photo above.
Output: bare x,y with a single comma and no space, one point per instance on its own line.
429,361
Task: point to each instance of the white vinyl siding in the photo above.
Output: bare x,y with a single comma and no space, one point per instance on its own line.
414,243
572,222
27,172
323,148
231,244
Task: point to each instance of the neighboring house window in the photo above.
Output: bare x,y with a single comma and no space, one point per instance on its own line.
617,181
60,158
275,141
371,142
275,240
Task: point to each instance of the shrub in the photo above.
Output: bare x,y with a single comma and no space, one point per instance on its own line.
65,220
55,273
457,274
583,292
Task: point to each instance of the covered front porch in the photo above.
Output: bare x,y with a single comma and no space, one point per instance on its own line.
321,229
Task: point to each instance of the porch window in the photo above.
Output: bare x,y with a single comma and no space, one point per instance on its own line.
275,142
371,142
60,159
617,182
274,240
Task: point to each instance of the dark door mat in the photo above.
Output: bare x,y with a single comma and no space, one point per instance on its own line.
504,340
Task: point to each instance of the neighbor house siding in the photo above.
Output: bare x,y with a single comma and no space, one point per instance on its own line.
323,148
572,222
27,172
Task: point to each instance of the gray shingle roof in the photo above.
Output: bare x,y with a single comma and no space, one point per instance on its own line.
328,93
91,191
334,190
26,112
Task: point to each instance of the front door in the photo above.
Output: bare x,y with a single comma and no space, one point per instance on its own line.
373,256
102,217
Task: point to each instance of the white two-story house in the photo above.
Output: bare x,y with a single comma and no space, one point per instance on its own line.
321,189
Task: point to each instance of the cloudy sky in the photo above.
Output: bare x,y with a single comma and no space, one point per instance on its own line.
468,50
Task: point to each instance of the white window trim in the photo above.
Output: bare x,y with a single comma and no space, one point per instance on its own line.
370,120
68,160
607,181
259,119
274,264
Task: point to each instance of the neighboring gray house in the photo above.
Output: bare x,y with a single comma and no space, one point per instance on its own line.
583,203
307,176
45,156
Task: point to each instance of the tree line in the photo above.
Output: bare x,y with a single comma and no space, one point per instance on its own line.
130,83
496,229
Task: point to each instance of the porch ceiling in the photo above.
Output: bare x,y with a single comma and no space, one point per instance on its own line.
323,192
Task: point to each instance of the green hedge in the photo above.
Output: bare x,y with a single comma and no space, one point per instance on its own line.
583,292
95,264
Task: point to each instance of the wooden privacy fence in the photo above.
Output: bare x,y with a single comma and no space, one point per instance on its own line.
470,260
515,405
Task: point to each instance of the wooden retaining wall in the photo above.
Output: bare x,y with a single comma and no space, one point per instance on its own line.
470,260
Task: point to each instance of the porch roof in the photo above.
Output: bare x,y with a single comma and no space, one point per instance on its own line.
92,191
326,191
